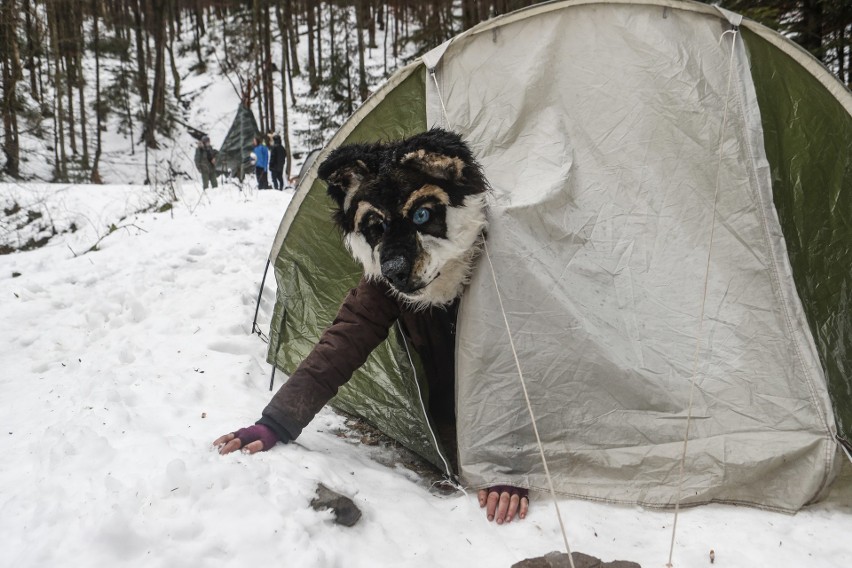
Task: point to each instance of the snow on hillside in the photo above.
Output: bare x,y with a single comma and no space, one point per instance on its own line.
119,366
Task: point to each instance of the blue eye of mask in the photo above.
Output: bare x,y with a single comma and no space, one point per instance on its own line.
420,216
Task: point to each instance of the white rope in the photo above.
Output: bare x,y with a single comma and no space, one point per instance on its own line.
441,98
529,406
703,299
517,362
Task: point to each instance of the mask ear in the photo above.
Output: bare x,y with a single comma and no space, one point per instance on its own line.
437,153
345,170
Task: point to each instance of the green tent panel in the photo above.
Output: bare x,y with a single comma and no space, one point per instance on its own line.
808,135
605,129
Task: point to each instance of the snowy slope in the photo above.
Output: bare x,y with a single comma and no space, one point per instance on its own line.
119,367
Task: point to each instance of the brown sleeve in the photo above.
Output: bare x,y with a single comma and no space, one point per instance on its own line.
362,323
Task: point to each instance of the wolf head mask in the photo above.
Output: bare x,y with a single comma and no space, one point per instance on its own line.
412,212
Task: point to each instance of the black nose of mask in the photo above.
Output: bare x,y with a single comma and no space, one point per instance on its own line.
397,270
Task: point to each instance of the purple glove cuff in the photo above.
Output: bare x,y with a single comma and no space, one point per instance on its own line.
521,492
254,433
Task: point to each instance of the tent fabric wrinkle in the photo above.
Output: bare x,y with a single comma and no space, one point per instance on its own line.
578,172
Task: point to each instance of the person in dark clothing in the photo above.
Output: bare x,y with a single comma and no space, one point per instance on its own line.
413,214
277,160
205,161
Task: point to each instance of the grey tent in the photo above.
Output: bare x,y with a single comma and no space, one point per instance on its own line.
233,156
672,186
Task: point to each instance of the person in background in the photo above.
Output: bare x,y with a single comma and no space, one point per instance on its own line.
277,159
205,161
261,165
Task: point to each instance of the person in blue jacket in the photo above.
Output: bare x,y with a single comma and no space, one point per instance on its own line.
261,164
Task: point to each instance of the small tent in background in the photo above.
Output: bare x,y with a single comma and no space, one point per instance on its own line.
672,186
233,159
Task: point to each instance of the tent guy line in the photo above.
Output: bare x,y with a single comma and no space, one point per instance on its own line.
515,355
700,334
529,404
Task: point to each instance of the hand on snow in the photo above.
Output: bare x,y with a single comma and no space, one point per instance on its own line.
253,439
502,502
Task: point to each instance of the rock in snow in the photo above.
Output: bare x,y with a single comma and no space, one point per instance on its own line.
560,560
346,513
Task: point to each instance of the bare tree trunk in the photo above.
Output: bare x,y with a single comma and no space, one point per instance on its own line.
395,32
11,74
125,86
32,35
173,16
291,35
61,165
269,85
79,49
197,32
224,43
96,16
360,13
468,11
141,75
42,55
383,27
257,54
332,46
285,124
158,96
312,66
349,95
370,9
810,28
69,89
285,31
319,42
199,18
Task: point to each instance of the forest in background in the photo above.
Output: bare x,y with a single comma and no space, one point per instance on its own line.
70,67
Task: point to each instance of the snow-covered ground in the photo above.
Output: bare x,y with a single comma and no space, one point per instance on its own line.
119,366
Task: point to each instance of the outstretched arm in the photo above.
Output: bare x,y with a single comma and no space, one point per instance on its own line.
362,323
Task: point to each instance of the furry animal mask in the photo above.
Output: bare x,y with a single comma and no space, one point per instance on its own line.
412,212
